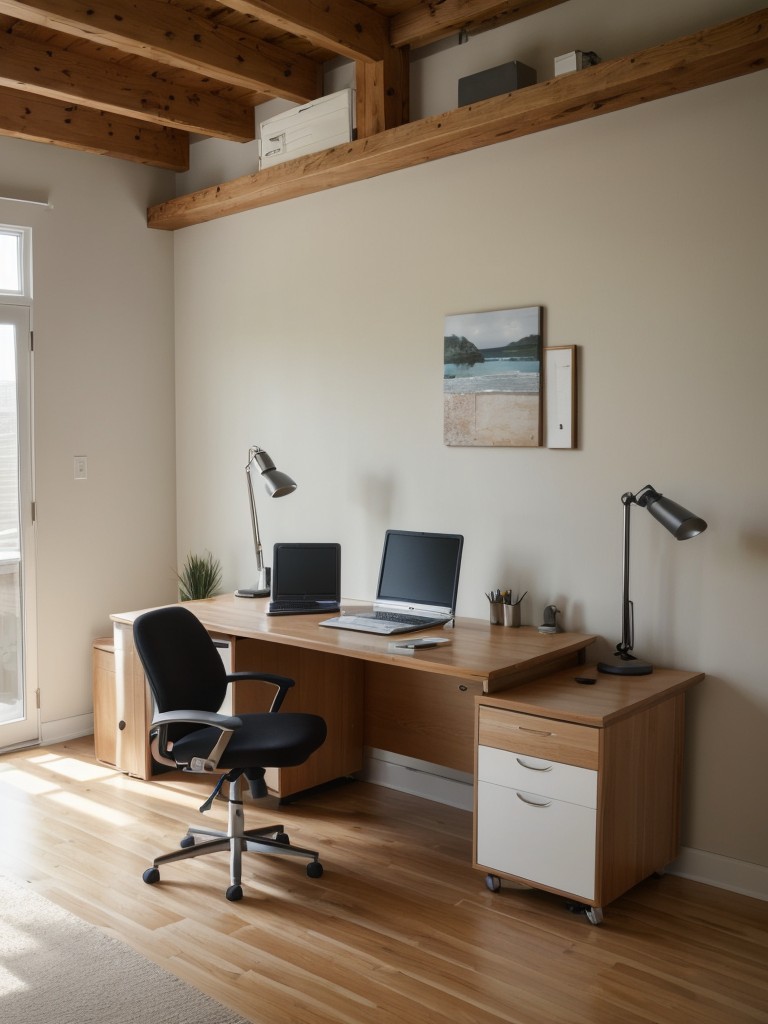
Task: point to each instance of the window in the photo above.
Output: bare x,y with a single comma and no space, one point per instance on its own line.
15,263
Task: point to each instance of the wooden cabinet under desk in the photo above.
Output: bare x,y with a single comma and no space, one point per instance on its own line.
578,787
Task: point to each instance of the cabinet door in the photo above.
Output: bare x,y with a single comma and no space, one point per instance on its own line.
538,839
104,703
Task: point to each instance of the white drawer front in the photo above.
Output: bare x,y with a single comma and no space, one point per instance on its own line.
534,775
548,842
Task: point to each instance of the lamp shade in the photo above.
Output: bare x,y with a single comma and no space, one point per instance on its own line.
277,483
681,523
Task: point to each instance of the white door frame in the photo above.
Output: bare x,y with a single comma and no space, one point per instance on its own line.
26,730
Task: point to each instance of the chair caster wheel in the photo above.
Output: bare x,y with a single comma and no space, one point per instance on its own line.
493,882
234,893
282,837
314,869
151,875
186,842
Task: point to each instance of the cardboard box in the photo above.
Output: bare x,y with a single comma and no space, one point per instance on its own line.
318,125
495,82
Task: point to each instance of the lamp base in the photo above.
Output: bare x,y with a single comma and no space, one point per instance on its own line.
625,665
262,586
253,592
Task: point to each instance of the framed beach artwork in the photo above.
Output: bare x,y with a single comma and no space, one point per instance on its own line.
492,378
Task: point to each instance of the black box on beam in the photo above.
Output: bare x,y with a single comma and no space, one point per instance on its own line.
495,81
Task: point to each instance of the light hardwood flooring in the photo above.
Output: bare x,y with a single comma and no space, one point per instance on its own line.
399,929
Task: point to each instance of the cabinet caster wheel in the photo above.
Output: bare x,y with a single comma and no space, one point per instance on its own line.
282,837
234,893
492,882
594,915
151,875
314,869
186,842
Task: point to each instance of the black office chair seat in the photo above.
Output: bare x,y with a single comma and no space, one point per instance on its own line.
188,682
281,742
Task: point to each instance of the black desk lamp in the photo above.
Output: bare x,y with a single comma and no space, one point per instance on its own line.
277,485
682,524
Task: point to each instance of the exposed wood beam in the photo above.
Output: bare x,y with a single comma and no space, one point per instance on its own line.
45,120
170,35
383,90
436,19
77,78
346,27
713,55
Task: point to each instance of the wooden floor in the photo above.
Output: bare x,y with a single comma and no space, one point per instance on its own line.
399,929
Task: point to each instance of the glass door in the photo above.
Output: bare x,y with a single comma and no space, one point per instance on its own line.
19,718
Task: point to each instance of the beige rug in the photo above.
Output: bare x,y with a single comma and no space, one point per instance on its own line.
56,969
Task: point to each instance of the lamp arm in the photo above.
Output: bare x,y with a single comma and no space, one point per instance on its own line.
254,520
627,609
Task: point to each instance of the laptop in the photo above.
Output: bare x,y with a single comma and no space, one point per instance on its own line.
418,583
306,579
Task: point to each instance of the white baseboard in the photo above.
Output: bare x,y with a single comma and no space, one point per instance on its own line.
420,778
433,782
723,872
66,729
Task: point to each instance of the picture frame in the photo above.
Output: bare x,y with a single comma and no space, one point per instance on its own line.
492,376
560,416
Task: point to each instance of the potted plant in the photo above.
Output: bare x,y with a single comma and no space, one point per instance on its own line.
200,577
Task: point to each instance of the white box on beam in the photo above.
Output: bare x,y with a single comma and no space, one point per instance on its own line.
314,126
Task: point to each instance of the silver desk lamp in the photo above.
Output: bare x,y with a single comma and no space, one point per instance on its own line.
683,525
277,485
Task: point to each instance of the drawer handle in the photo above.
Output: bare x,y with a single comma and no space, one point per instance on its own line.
533,767
538,732
533,803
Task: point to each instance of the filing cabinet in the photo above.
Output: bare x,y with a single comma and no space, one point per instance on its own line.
578,789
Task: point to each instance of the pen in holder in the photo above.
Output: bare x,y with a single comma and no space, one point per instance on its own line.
504,608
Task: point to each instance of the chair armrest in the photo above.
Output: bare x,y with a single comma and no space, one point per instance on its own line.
197,718
226,724
283,684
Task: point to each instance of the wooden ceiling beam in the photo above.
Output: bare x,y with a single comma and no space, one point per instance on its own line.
40,119
346,27
169,35
77,78
430,21
739,47
382,93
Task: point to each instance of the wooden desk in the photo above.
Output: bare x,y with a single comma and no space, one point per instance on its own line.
420,706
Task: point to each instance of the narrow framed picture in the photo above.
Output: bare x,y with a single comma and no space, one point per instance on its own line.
560,396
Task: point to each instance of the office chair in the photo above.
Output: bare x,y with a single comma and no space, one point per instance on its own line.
188,681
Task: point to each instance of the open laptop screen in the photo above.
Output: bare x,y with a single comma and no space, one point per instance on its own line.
311,571
420,568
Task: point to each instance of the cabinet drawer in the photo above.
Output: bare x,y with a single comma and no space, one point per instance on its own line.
536,775
546,842
547,738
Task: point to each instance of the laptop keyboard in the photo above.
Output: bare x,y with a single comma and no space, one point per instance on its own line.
410,620
297,606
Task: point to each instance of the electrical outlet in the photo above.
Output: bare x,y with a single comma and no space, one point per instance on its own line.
81,467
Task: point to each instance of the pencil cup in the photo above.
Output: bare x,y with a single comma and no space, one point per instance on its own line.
496,612
511,614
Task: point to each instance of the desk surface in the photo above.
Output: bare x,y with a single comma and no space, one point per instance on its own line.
493,656
610,698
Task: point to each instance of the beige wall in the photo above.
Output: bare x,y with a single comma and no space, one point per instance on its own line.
103,321
314,328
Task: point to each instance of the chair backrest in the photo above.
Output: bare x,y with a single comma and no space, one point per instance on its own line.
183,667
